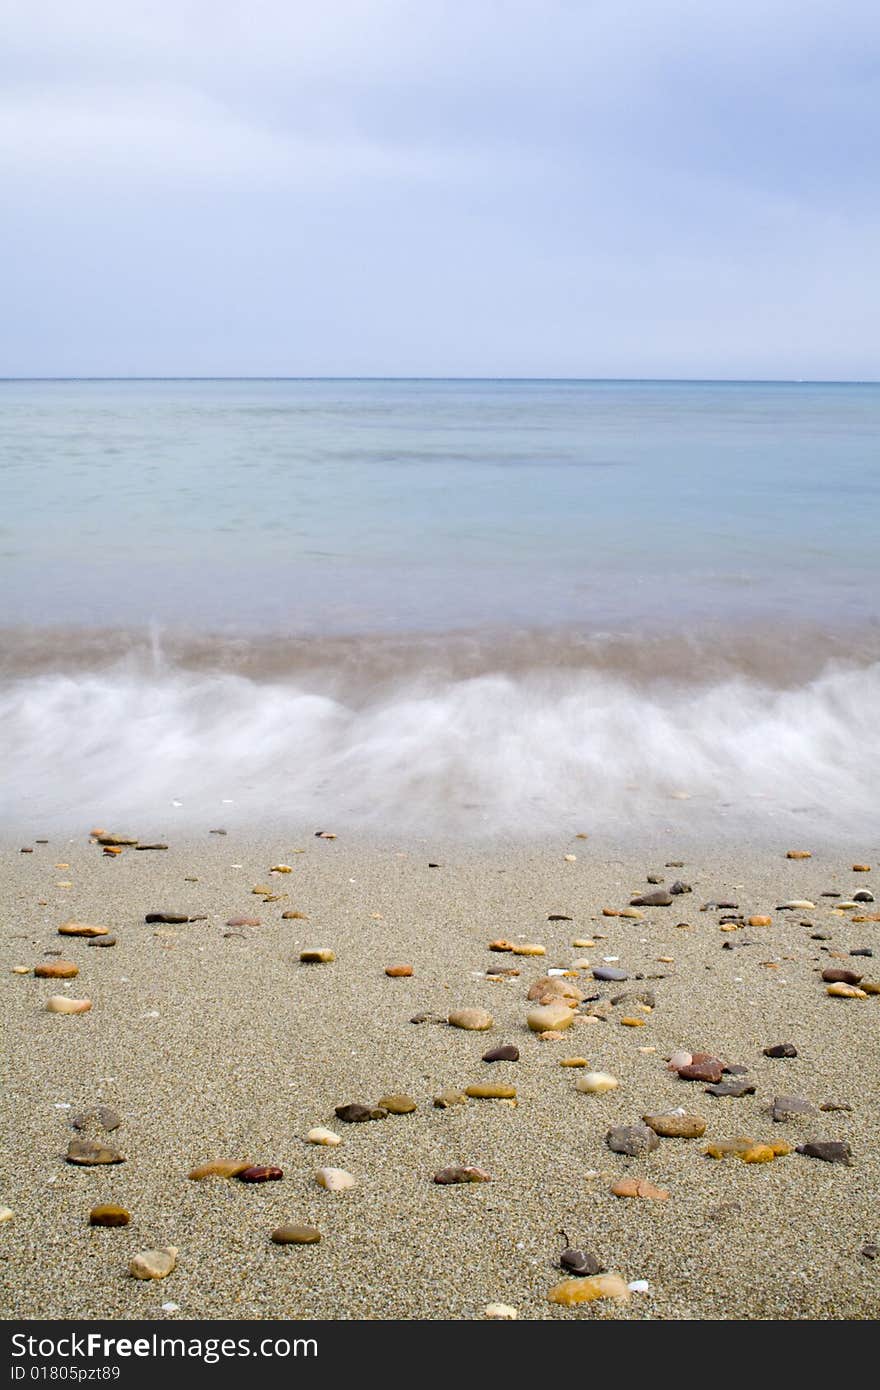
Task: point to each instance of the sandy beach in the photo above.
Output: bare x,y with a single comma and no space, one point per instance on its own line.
215,1042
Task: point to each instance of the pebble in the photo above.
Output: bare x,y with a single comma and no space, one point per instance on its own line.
489,1091
609,972
507,1053
317,955
6,1214
574,1062
747,1149
574,1291
334,1179
220,1168
397,1104
292,916
675,1125
501,945
596,1083
549,1018
796,904
863,896
154,1264
831,1150
243,922
260,1172
638,1187
633,1140
472,1020
731,1086
861,868
447,1176
295,1235
398,972
842,991
786,1107
356,1114
449,1097
579,1262
81,929
551,987
109,1215
102,941
171,919
799,854
529,948
659,899
760,921
323,1136
58,970
500,1312
62,1004
832,975
781,1050
629,1022
702,1068
87,1153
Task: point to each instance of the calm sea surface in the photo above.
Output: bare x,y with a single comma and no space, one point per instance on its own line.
316,506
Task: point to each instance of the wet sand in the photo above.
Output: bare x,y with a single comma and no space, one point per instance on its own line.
225,1046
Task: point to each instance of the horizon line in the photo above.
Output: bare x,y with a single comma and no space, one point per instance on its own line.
578,380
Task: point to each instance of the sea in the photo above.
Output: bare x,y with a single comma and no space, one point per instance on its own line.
475,608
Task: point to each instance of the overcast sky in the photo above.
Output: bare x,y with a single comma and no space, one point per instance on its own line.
440,187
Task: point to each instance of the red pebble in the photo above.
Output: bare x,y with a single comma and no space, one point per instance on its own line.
260,1173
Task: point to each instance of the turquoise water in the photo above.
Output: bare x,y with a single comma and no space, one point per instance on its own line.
315,506
509,608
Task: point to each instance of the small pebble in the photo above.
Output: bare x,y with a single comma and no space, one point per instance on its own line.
260,1172
109,1215
317,955
63,1004
323,1136
596,1083
154,1264
508,1053
295,1235
472,1020
334,1179
500,1312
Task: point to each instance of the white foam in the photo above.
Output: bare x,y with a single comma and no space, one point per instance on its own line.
512,753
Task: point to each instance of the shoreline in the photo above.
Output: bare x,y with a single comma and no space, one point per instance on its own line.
250,1049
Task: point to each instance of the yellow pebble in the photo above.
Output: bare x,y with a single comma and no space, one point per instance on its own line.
633,1022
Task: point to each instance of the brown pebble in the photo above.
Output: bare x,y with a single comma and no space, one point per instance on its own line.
460,1175
243,922
220,1168
109,1215
398,972
507,1053
87,1153
294,917
488,1091
638,1187
261,1172
861,868
295,1235
58,970
799,854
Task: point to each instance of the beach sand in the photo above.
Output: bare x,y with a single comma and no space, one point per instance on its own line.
225,1046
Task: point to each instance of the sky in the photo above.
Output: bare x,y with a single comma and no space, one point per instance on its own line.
582,188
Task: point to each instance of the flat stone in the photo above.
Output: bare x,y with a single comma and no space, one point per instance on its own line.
472,1020
833,1105
796,905
447,1176
787,1107
676,1126
507,1053
57,970
295,1235
799,854
529,948
760,921
323,1136
170,918
632,1140
317,955
609,972
355,1113
334,1179
733,1087
841,991
243,922
154,1264
81,929
397,1104
156,846
574,1062
596,1083
830,1150
781,1050
638,1187
555,1017
261,1172
833,975
109,1214
659,899
398,972
293,916
570,1292
120,841
102,941
488,1091
87,1153
702,1068
63,1004
220,1168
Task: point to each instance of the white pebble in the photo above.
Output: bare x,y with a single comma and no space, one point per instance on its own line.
6,1214
500,1312
322,1136
334,1179
638,1286
170,1307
